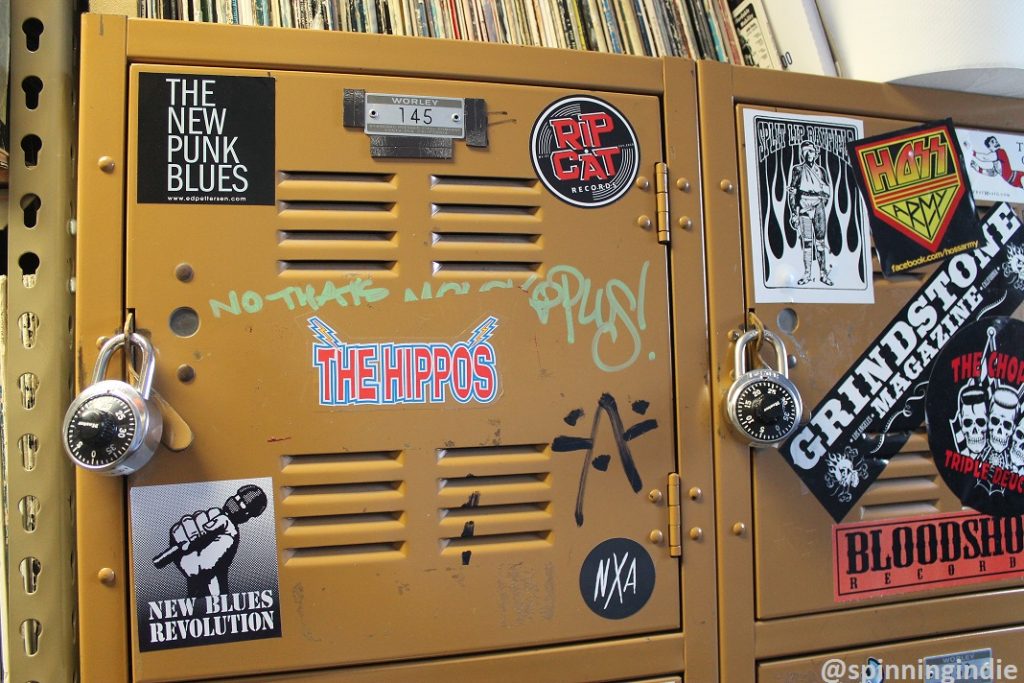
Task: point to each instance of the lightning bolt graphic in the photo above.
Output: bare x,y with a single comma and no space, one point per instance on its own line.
324,332
483,331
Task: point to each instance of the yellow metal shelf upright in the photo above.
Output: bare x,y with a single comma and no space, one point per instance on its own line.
38,611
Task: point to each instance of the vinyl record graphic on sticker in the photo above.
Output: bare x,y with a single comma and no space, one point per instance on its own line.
975,419
584,151
617,578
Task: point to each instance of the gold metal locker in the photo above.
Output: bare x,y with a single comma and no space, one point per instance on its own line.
776,558
452,387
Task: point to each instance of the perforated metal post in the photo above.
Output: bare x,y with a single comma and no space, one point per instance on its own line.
39,532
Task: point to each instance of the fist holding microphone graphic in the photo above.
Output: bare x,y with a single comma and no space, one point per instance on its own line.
204,543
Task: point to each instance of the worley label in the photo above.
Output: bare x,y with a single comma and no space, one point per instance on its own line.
871,411
584,151
394,373
205,139
874,559
415,115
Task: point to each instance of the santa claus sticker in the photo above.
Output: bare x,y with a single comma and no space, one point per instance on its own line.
584,151
975,419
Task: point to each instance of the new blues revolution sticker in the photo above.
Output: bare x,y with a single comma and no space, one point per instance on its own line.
585,151
921,202
205,561
975,419
205,139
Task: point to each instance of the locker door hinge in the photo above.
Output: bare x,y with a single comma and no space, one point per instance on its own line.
661,196
675,515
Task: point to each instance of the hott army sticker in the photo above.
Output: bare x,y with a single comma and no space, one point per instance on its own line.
584,151
921,203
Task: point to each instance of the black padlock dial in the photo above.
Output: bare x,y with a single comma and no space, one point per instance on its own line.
101,430
766,410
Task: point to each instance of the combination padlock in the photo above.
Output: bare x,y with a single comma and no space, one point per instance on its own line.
112,427
763,404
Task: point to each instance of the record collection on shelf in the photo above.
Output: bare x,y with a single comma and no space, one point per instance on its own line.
722,30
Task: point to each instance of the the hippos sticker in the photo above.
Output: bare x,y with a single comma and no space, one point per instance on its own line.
584,151
975,420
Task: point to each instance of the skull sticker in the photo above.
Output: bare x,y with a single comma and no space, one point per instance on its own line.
977,439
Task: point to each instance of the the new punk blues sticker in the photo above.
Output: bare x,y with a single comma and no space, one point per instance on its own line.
585,151
205,139
205,561
975,419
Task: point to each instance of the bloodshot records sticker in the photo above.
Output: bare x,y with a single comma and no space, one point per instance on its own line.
975,418
584,151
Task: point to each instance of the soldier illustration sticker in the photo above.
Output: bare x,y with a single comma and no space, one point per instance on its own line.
204,556
584,151
205,139
975,419
922,209
617,578
995,164
808,224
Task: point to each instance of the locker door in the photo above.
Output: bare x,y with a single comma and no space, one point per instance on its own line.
452,388
778,588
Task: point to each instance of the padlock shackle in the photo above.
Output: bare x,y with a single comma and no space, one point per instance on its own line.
148,364
740,358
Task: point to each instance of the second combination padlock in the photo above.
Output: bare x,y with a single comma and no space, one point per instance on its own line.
763,404
112,427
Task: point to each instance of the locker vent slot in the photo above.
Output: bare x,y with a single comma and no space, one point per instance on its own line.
365,552
909,485
480,181
368,207
891,510
299,177
489,267
341,489
497,541
486,210
382,518
285,236
310,266
493,498
531,480
490,453
531,509
295,463
342,505
512,239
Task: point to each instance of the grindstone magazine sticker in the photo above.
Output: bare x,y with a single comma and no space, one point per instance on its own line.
808,225
975,419
205,139
922,209
204,557
875,406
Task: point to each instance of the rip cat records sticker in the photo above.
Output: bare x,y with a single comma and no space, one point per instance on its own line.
919,196
975,418
584,151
